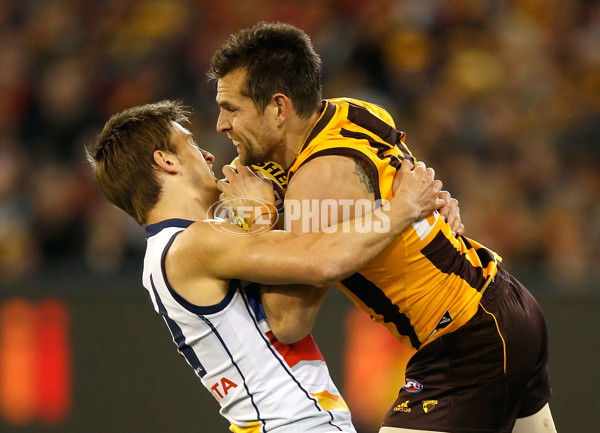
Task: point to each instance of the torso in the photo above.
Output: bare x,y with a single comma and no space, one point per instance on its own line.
427,282
260,384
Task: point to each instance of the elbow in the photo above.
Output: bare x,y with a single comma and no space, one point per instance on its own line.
291,338
328,272
287,334
324,275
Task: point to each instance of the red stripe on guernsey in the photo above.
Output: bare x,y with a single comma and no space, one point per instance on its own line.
303,350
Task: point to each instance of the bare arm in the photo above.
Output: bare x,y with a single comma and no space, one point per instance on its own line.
292,309
209,250
293,312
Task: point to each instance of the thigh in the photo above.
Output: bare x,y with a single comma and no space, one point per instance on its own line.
539,422
455,383
524,329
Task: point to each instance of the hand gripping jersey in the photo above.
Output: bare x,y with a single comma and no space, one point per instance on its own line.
427,282
261,385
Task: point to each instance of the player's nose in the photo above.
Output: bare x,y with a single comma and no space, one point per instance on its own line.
209,157
223,124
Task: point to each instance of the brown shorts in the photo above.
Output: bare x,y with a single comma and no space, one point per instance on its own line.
484,375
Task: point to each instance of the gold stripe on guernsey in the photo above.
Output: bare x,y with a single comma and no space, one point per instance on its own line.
491,275
499,333
329,401
251,427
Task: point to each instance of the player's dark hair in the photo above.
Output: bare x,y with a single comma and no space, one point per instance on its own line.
277,57
123,155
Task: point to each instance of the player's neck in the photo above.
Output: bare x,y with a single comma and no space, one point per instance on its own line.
182,206
297,132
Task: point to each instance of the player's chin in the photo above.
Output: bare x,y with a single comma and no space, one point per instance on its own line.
248,160
244,161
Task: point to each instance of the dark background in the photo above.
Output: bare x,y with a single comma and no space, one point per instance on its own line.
127,376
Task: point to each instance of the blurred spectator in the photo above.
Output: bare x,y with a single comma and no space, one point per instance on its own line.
501,97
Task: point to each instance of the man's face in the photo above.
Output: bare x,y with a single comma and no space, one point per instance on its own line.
254,134
195,162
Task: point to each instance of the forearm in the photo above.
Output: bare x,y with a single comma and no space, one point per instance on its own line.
292,310
337,251
353,243
323,258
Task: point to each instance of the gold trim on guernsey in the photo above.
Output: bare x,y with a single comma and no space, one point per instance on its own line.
490,279
252,427
329,401
326,400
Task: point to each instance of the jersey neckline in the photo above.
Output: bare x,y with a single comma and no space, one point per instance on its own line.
156,228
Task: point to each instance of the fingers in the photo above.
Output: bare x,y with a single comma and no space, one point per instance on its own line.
451,213
421,170
419,167
439,202
453,219
407,165
244,171
261,175
231,173
415,171
405,168
223,186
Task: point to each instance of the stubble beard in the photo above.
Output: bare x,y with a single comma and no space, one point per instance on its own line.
252,156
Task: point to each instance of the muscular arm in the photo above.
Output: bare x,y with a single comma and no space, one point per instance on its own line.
292,309
203,253
292,312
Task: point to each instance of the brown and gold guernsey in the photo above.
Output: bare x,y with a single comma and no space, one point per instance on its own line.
427,282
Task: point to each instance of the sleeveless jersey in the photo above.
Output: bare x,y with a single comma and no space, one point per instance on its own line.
427,282
261,385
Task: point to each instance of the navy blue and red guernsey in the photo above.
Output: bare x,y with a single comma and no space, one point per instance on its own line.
427,282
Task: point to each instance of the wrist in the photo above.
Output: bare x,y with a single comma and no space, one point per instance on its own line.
404,214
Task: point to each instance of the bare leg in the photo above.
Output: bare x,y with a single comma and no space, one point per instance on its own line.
540,422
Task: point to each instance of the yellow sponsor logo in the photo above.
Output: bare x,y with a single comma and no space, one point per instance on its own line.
402,407
429,405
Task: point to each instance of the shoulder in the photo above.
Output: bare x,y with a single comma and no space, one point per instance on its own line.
372,108
191,260
333,176
203,238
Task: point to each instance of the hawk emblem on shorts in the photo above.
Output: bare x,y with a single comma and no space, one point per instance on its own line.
429,405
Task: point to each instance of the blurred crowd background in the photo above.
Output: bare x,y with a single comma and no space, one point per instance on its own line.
501,97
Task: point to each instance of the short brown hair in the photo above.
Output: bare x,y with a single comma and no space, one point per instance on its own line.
277,57
123,155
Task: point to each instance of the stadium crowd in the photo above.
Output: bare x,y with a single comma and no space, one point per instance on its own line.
501,97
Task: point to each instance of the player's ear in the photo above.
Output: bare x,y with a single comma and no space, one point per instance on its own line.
166,161
283,106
